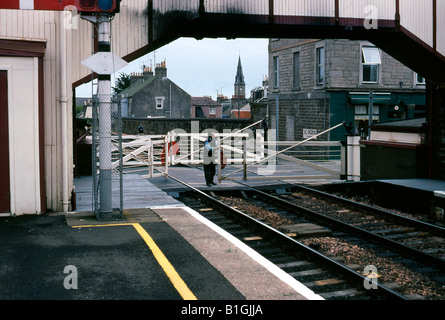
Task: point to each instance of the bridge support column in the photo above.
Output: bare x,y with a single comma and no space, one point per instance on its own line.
435,101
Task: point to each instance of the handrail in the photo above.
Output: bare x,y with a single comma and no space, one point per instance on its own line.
229,136
277,153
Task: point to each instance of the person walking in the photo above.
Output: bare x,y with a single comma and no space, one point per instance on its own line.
210,153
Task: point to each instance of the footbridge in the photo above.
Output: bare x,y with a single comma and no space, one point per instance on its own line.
408,30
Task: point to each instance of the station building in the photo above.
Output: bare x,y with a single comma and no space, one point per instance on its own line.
40,67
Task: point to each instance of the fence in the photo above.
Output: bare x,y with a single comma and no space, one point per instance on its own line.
107,160
243,148
273,154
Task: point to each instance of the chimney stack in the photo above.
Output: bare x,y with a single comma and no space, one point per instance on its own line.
135,76
265,82
148,73
161,70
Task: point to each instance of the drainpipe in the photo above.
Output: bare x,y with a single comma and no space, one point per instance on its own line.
63,104
371,112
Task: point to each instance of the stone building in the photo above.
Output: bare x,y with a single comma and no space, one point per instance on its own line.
155,96
316,84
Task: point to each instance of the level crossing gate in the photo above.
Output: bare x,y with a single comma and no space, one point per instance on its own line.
241,150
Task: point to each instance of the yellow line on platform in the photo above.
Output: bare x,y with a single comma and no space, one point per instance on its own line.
174,277
103,225
168,268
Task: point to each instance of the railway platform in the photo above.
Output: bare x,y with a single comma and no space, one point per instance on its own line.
162,250
209,261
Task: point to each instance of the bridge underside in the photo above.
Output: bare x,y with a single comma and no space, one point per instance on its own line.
388,36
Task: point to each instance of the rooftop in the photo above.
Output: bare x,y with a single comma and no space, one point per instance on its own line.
204,102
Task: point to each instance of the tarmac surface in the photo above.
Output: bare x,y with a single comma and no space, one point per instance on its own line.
111,262
162,250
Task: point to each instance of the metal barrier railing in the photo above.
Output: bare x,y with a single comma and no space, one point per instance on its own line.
275,154
240,148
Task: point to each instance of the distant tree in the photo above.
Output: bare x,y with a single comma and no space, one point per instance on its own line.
122,83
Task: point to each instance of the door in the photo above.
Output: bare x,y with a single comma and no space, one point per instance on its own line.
5,205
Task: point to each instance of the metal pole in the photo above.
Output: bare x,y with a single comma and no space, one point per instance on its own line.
219,159
166,155
104,100
277,106
244,160
150,157
277,120
371,107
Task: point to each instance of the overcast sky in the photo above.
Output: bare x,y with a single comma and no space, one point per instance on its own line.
206,67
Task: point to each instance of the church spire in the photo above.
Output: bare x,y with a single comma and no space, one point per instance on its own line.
239,79
239,97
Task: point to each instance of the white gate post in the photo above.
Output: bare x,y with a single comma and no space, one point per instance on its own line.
219,158
244,159
150,157
353,158
166,154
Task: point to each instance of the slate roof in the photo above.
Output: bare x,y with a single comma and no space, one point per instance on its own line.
136,87
204,102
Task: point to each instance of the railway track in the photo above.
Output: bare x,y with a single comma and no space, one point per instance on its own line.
410,236
326,275
416,245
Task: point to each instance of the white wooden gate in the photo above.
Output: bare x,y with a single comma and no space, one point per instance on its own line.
242,149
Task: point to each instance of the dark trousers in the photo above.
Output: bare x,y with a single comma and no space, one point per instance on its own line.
209,172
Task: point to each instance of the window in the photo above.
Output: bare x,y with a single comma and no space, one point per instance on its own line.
160,102
296,83
276,75
420,80
212,110
363,110
370,64
199,113
320,65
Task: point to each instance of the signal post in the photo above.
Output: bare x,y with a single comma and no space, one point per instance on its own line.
104,63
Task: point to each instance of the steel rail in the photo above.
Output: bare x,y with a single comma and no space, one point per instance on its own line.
408,251
425,226
292,243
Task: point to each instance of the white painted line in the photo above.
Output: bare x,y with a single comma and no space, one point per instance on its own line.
167,206
279,273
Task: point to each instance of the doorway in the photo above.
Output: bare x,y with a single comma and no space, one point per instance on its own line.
5,203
